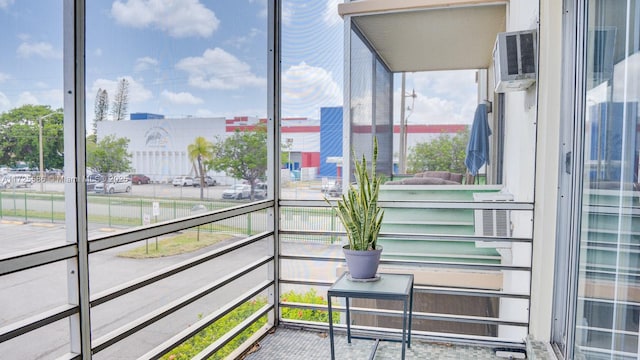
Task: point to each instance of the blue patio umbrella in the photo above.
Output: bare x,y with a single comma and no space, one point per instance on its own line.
478,146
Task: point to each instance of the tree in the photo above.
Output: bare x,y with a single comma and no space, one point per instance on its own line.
101,108
201,151
121,101
109,155
445,153
243,155
19,136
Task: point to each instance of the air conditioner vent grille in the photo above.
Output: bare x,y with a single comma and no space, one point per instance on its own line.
527,53
502,223
512,61
515,60
487,223
493,222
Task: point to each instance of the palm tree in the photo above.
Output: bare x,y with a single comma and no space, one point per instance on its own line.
201,150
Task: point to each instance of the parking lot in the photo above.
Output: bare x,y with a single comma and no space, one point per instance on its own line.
293,191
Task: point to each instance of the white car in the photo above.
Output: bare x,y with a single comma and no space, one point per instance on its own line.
182,181
239,191
114,186
260,191
16,180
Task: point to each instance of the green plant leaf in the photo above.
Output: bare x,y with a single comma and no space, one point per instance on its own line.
358,209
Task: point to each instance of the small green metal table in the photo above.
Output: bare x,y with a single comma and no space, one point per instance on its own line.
388,287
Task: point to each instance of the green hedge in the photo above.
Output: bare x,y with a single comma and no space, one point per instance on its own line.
310,297
210,334
188,349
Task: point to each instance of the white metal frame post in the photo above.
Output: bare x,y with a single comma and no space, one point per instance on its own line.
273,145
74,165
346,107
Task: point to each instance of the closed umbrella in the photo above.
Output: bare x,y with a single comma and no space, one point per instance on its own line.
478,146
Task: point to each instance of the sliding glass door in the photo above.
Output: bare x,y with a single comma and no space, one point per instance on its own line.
606,286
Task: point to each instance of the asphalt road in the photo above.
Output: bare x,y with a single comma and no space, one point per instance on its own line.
33,291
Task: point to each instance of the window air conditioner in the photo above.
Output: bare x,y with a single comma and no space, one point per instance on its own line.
492,222
515,60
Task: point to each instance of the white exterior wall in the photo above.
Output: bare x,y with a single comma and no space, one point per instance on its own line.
531,141
302,142
159,147
548,165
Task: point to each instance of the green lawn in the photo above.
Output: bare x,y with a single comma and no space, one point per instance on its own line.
175,245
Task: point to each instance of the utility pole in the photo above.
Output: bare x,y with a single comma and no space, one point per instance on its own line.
402,153
41,154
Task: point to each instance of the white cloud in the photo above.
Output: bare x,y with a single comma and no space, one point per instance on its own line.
443,97
4,77
206,113
330,15
41,49
5,3
178,18
137,92
145,63
217,69
5,104
27,98
457,84
97,52
306,88
287,13
239,41
264,11
53,97
181,98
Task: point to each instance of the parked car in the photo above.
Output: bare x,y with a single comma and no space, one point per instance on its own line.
335,190
139,179
114,185
260,191
92,180
239,191
208,181
16,180
327,185
182,181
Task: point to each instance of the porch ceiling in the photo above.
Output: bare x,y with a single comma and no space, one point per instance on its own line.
424,35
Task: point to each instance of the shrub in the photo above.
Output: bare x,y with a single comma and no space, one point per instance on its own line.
197,343
310,297
200,341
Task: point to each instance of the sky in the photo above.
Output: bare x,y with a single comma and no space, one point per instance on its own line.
201,58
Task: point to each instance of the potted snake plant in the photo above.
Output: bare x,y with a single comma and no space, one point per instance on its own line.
361,216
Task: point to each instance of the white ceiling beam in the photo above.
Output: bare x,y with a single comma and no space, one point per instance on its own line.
368,7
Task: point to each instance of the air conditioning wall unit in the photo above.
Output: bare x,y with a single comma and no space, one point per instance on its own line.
515,58
492,222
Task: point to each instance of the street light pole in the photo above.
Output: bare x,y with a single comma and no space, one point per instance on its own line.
402,167
41,180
